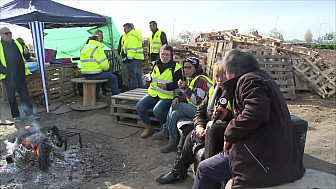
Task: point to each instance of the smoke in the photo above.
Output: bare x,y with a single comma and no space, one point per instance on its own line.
11,145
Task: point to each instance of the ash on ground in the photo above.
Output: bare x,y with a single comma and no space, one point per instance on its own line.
80,165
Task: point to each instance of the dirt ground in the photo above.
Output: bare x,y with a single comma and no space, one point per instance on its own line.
114,156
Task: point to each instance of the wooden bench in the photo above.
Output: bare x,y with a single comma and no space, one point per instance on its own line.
123,109
89,94
311,179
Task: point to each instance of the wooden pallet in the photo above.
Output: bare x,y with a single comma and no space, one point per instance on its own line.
279,67
123,109
59,86
34,84
318,80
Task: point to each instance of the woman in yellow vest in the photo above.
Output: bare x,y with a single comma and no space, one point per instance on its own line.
95,65
164,77
193,138
191,95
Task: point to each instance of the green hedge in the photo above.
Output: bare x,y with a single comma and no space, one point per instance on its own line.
331,46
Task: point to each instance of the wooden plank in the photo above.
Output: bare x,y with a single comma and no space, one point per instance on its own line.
126,98
263,62
258,56
57,81
285,82
129,95
270,69
328,71
60,66
286,75
63,74
65,84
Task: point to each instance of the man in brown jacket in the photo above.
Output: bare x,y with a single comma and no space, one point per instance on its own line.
259,146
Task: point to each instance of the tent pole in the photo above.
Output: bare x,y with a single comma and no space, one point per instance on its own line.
36,28
109,23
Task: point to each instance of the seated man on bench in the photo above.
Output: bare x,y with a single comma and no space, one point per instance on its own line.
95,65
190,142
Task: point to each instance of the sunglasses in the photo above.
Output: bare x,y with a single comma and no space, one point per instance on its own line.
7,33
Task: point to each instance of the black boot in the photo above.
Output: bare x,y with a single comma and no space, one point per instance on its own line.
178,173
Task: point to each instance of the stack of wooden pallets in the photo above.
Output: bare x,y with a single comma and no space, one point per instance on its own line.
59,86
34,84
123,108
279,67
310,72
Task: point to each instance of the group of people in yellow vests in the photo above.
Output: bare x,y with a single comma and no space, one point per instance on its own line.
95,64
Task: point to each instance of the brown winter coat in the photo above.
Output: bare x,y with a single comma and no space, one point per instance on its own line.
264,152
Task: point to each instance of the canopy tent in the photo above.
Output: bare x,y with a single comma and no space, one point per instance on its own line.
46,14
68,41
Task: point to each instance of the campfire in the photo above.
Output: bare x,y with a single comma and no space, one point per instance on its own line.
35,148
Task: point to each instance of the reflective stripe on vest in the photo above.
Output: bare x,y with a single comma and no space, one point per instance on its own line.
155,43
165,77
3,59
200,92
136,50
89,64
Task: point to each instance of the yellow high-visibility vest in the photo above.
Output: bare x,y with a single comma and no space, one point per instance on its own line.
155,43
3,59
165,77
133,46
93,58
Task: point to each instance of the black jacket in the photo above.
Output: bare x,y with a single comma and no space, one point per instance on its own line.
264,152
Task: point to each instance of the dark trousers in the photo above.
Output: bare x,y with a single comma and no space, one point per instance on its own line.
21,88
213,171
188,144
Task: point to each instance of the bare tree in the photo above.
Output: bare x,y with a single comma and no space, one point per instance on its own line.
276,34
308,37
186,36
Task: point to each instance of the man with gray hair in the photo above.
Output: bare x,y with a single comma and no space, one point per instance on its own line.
13,69
259,145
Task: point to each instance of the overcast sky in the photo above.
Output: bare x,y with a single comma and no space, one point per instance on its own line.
292,18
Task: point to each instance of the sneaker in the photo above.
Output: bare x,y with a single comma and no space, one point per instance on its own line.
17,119
34,116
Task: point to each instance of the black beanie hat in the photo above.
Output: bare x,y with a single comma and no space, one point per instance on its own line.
193,60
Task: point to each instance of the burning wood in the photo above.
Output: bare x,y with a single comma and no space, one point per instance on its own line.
35,148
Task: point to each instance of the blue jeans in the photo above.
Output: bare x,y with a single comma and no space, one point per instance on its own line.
135,74
175,113
112,79
213,171
160,109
